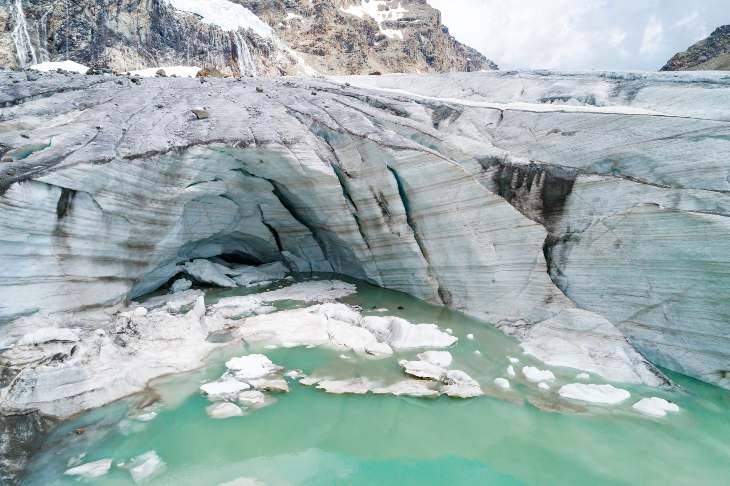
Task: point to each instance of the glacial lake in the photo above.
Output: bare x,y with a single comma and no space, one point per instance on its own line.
308,437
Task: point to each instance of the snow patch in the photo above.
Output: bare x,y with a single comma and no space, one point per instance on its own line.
70,66
227,15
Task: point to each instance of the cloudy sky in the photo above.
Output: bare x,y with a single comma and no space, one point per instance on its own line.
582,34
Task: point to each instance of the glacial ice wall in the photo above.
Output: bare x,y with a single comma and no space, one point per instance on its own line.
509,196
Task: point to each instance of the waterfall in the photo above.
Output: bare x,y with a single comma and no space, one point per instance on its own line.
23,46
246,64
43,54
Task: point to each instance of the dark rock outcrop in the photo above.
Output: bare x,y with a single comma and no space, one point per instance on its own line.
710,54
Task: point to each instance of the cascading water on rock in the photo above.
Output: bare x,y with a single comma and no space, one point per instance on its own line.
246,64
23,46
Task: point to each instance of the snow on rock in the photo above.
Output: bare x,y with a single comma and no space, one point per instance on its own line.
146,466
604,394
436,358
379,11
179,71
70,66
252,366
535,375
226,15
206,271
90,470
180,285
576,338
223,389
502,383
223,410
403,335
655,406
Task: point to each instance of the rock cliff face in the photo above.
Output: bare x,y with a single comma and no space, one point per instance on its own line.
511,197
235,37
708,54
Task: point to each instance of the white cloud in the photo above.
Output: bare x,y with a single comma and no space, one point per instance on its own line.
653,36
581,34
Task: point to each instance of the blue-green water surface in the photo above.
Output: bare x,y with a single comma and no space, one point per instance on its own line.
308,437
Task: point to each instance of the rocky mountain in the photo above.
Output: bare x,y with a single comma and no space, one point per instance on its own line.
710,54
235,37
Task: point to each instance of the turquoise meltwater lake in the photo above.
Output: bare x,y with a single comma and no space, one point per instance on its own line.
521,436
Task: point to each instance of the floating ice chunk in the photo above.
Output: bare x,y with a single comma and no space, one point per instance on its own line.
294,374
401,334
243,482
449,330
606,394
224,388
470,337
477,352
340,312
459,384
586,341
543,386
70,66
502,383
90,470
180,285
48,334
224,410
251,398
655,406
146,417
582,376
247,276
511,371
208,272
536,375
411,388
423,369
146,466
358,339
513,360
436,358
311,291
356,386
252,366
276,385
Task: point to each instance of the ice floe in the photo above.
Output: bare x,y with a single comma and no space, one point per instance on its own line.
223,410
535,375
655,406
205,271
251,366
90,470
502,383
604,394
145,467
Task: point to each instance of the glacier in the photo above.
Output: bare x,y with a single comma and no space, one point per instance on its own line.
519,198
